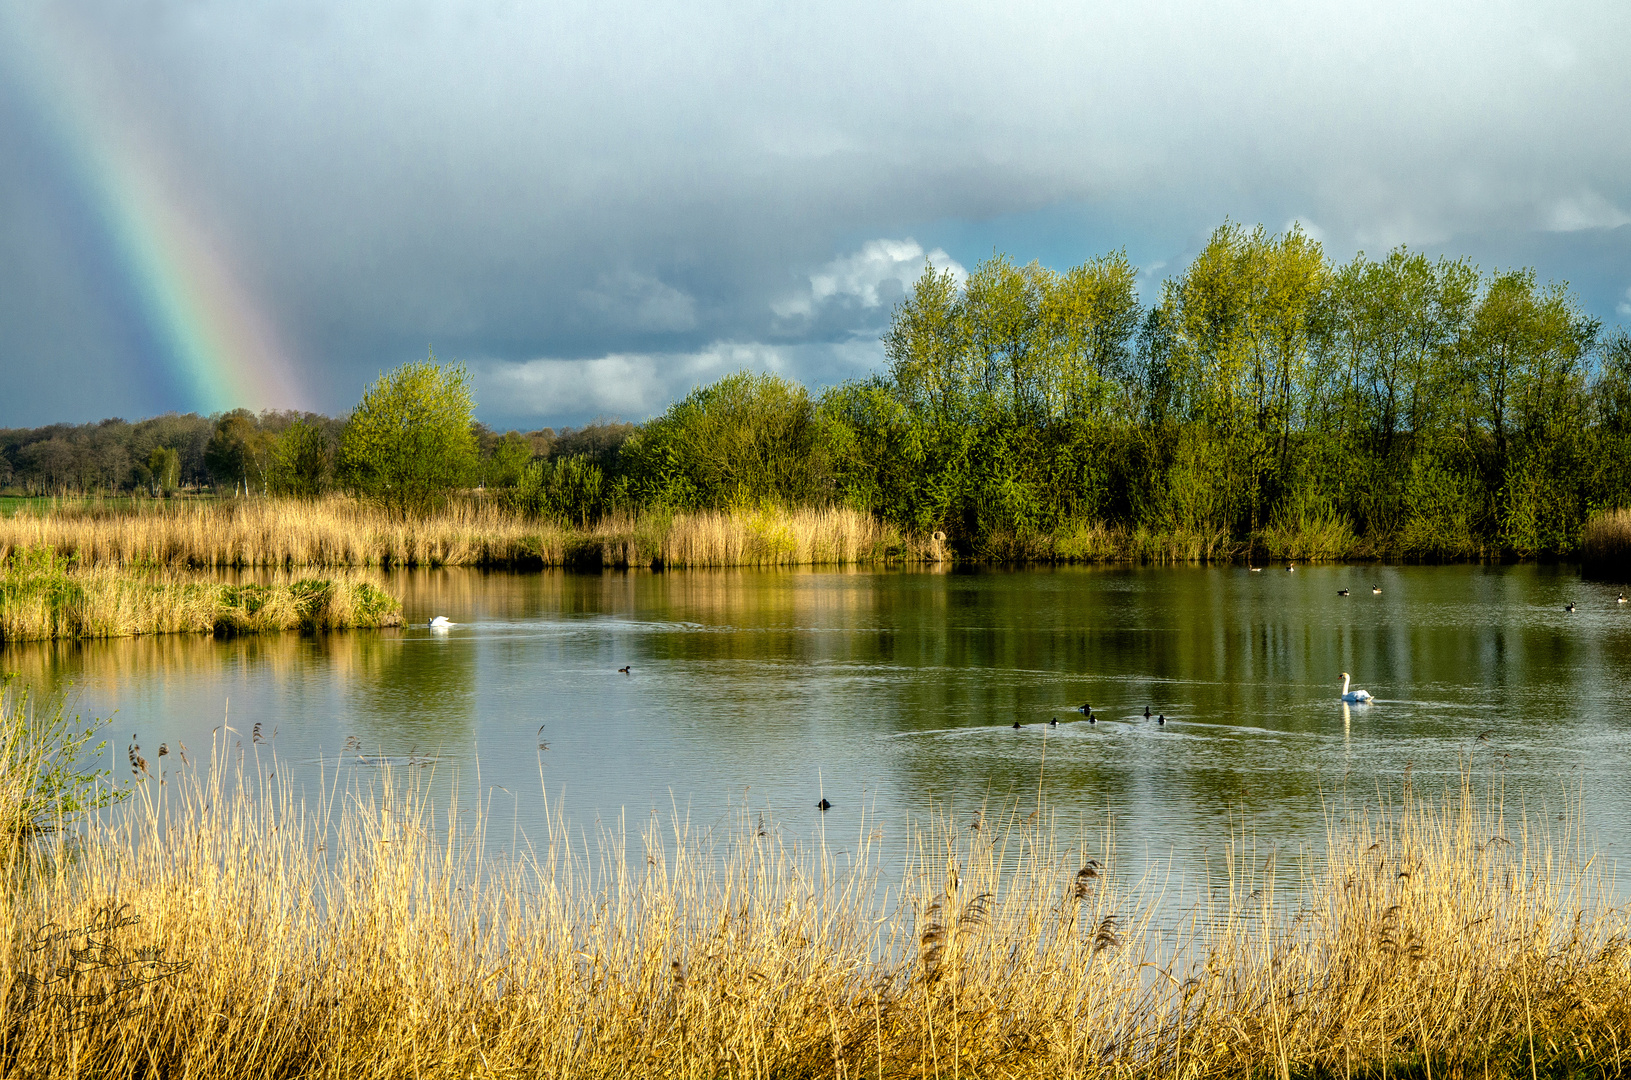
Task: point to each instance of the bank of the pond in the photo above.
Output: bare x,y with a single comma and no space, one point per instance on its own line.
45,597
256,935
342,532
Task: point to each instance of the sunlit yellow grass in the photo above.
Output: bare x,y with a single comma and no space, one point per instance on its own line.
44,598
362,935
344,532
340,531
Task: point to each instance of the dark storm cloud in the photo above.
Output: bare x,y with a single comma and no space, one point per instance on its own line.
599,205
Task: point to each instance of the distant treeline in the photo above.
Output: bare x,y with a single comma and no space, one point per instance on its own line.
238,451
1267,398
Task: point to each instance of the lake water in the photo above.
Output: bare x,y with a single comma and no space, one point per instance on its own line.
893,694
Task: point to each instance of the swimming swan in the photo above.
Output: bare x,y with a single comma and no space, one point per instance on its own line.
1358,697
440,622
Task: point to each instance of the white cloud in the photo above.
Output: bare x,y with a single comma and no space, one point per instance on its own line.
633,386
628,385
881,271
1624,306
1310,230
1588,210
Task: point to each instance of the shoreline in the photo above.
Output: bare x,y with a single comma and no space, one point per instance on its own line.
341,532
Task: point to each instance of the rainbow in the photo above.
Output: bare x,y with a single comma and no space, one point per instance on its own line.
209,336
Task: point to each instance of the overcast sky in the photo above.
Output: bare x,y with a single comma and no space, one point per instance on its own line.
599,206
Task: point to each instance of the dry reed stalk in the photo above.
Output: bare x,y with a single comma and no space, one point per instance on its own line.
835,535
343,532
42,600
362,936
1605,543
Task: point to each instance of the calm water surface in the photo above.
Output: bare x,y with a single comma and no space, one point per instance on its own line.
894,693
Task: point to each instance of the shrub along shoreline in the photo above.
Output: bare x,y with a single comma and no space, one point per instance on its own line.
45,597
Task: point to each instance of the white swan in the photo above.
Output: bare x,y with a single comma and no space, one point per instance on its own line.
1358,697
440,622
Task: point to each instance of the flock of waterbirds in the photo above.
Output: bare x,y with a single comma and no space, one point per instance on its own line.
1377,589
1086,709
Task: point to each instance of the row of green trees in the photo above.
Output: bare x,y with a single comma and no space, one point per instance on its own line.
1403,405
1412,405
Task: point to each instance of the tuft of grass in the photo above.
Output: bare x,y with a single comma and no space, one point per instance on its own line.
363,935
44,596
1309,536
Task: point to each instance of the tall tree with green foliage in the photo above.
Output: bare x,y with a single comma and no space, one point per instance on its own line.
165,465
409,441
303,460
746,440
510,456
239,452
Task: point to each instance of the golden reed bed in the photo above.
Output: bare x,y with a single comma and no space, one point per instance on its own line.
220,926
44,597
344,532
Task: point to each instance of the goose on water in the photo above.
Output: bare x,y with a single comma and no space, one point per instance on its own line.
1569,606
1342,592
1376,590
1357,697
1621,600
